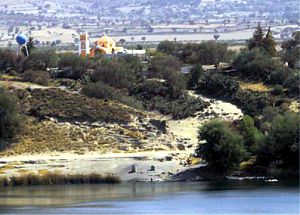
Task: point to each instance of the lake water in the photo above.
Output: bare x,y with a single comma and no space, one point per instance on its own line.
233,197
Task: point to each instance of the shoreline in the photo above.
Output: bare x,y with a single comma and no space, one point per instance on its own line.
163,163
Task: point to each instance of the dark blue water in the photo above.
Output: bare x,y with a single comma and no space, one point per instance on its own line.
159,198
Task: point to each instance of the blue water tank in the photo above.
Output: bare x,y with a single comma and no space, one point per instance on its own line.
21,39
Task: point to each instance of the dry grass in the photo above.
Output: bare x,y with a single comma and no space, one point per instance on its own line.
194,161
6,77
132,134
70,107
23,171
7,167
54,178
46,136
254,87
43,171
244,165
295,106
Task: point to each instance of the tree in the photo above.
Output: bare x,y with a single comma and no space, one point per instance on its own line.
282,144
168,68
30,47
10,118
38,77
223,148
209,52
122,41
216,36
290,50
251,135
217,84
195,74
169,47
255,64
7,58
120,73
73,65
269,44
257,39
144,39
292,82
41,60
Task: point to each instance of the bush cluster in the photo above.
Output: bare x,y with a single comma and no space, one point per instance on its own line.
274,143
215,83
38,77
100,90
257,65
10,118
209,52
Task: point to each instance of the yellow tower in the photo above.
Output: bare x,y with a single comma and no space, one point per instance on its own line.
84,45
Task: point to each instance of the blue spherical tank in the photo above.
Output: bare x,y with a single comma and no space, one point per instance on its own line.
21,39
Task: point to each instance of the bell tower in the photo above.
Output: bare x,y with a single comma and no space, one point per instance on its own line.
84,45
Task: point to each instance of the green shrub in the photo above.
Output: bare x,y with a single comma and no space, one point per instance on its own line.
159,95
38,77
194,76
168,69
73,66
209,52
100,90
255,65
282,143
120,73
292,82
279,76
252,137
277,90
10,118
217,84
41,60
169,47
183,107
67,106
290,50
223,148
10,61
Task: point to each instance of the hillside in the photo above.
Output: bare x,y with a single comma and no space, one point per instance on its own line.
64,129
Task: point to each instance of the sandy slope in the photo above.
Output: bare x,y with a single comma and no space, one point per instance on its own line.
187,128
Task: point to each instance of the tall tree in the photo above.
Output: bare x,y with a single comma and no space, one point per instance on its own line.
223,148
257,39
195,74
291,51
29,45
144,39
269,43
10,118
122,41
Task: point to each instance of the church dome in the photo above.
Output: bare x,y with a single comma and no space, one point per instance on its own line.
106,42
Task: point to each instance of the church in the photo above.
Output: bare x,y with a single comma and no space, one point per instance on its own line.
104,45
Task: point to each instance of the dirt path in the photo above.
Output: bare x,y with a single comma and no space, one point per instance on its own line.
187,128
